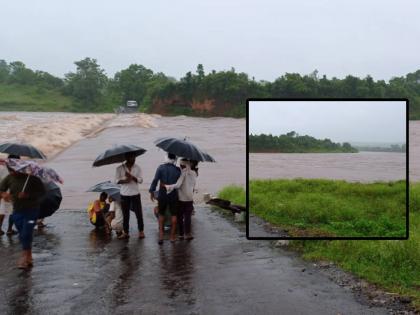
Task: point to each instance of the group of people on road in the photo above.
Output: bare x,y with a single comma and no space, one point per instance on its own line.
172,186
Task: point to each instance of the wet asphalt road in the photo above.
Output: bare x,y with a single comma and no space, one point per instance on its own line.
79,271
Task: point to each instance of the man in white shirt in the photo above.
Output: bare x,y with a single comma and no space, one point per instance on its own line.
129,176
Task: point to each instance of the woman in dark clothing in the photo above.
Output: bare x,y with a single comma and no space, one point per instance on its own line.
26,206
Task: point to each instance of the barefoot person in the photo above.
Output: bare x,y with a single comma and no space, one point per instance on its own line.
115,218
167,173
25,208
129,176
185,188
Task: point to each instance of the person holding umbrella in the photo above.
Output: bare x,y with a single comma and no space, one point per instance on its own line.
187,150
166,174
129,176
15,151
185,186
26,192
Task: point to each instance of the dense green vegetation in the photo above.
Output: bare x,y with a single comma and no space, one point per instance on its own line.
393,265
222,93
294,143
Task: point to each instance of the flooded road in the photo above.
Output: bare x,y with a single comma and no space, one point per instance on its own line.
74,164
79,271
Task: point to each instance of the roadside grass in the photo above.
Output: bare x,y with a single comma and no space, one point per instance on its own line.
236,194
392,265
309,207
32,98
39,99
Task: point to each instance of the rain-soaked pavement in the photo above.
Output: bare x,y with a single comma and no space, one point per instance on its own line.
79,271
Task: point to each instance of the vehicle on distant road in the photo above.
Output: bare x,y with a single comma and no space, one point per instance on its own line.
132,104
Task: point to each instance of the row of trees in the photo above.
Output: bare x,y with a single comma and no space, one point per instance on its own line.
17,73
90,86
391,148
294,143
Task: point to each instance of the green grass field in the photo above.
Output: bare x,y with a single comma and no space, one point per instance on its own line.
318,207
392,265
38,99
31,98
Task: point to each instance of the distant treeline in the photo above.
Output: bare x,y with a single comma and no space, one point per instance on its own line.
391,148
213,93
294,143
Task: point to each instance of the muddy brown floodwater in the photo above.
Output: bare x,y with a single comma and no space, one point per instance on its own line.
362,166
79,271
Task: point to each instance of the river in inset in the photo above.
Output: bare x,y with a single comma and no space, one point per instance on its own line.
362,166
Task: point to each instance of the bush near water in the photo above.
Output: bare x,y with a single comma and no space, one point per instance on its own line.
392,265
292,142
215,93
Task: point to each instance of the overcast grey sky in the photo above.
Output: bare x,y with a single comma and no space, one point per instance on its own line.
263,38
338,121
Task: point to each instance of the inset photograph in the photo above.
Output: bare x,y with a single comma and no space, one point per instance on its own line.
327,169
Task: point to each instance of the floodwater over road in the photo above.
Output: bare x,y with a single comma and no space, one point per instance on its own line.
79,271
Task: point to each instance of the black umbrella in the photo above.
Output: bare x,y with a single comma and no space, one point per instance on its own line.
51,201
22,150
110,188
183,148
117,154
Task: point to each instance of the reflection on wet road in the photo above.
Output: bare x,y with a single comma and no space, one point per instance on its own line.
80,271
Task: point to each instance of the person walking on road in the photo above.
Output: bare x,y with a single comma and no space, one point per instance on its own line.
166,174
26,206
129,176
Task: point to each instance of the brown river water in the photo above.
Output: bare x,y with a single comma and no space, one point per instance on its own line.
362,166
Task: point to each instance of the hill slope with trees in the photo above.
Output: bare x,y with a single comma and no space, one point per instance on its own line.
215,93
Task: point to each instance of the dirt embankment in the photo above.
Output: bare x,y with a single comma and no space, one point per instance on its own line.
205,107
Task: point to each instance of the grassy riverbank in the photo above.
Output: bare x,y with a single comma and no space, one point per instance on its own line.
318,207
392,265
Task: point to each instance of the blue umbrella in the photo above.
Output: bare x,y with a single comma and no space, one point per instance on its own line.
108,187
